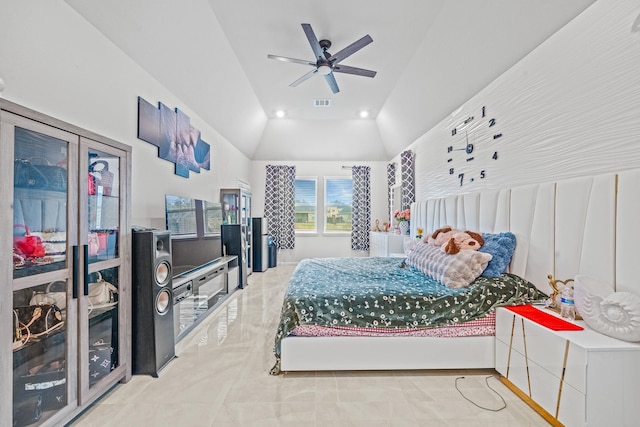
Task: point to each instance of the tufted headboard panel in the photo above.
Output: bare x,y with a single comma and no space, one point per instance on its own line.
587,225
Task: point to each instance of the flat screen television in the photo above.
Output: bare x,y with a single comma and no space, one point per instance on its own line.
195,232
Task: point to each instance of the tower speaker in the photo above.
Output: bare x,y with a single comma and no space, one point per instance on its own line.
233,243
153,340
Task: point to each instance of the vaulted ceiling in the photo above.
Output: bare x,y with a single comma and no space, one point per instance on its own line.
430,56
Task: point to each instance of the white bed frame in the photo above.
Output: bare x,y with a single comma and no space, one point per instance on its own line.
562,228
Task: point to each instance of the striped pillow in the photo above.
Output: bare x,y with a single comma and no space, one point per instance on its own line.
455,271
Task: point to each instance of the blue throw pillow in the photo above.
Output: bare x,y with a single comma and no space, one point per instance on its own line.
501,246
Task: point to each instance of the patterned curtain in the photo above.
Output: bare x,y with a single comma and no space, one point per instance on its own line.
361,219
408,186
280,205
391,181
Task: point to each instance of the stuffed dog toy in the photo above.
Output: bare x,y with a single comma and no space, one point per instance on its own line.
452,241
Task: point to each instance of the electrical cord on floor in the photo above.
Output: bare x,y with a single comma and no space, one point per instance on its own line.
486,380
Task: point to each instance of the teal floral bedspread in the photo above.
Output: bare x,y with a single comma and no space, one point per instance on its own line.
386,293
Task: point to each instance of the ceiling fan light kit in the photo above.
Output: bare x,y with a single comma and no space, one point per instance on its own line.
325,63
324,69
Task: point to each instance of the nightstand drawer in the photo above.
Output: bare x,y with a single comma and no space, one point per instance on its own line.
557,398
555,354
547,348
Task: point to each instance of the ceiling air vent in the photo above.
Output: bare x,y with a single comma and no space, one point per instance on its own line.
322,102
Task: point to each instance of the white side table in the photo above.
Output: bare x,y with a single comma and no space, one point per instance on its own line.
573,378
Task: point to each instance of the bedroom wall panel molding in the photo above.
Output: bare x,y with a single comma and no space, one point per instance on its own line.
627,232
585,227
568,109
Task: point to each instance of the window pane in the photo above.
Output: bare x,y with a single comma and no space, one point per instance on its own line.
305,205
338,197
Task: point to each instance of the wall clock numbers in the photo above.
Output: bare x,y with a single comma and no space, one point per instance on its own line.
473,147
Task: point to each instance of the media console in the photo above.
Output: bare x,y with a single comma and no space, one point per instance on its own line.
200,291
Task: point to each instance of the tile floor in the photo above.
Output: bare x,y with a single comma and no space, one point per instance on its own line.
221,378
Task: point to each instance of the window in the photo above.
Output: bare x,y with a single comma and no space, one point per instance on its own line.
337,202
306,206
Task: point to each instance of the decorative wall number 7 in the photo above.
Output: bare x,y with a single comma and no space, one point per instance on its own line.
473,147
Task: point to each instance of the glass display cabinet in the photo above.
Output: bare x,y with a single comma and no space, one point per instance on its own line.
64,208
236,209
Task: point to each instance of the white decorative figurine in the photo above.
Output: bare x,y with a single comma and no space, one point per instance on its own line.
616,314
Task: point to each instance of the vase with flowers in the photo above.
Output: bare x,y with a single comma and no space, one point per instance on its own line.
403,218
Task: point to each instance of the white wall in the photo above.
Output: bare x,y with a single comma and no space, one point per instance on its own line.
55,62
570,108
322,244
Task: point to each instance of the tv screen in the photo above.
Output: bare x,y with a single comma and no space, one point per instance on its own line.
181,216
195,232
212,213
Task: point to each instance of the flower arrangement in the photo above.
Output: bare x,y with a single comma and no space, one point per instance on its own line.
404,215
419,232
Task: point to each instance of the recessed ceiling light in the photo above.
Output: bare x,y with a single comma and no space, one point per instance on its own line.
280,114
364,114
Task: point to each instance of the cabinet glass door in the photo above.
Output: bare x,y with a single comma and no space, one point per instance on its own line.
103,201
43,240
101,219
230,207
40,203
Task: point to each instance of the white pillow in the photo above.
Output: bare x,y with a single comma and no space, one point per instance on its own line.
616,314
454,270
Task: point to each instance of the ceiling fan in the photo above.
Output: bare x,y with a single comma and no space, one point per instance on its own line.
325,63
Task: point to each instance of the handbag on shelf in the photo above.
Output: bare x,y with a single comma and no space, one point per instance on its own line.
37,320
48,380
41,176
21,334
51,296
27,245
102,293
100,360
93,244
19,260
54,242
101,177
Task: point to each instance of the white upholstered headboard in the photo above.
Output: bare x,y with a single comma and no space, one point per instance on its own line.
587,225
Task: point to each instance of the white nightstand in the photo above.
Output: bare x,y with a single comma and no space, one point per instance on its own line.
386,245
575,378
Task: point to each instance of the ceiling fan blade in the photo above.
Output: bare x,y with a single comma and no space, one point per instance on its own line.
353,70
351,49
332,82
313,41
295,61
303,78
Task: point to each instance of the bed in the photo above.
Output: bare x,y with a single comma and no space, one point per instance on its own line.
562,228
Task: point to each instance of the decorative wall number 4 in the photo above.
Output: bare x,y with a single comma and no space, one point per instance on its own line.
473,147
